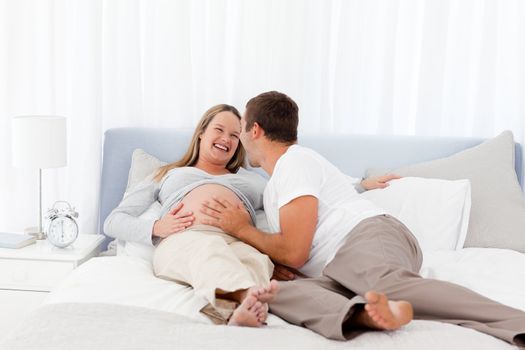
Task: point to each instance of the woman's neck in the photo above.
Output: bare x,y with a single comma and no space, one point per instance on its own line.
211,168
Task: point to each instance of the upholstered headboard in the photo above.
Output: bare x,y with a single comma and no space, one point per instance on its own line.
353,154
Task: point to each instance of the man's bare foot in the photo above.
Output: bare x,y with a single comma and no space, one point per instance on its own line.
383,314
265,294
248,313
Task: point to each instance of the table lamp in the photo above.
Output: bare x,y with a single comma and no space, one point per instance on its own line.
39,142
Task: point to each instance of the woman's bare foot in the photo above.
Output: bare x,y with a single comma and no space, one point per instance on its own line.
383,314
262,313
253,308
248,314
265,294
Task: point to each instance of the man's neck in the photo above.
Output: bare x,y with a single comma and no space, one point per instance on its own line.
272,152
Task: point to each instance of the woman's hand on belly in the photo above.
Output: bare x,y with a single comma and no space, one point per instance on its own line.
173,222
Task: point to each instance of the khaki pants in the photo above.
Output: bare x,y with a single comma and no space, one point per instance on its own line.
382,255
211,261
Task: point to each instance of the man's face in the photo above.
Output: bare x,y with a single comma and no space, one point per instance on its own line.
248,144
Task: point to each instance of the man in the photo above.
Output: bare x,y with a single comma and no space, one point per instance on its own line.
352,252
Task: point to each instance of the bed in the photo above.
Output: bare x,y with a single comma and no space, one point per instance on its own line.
115,302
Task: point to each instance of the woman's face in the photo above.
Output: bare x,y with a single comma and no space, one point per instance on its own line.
220,140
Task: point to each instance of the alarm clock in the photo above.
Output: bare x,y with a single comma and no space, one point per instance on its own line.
62,228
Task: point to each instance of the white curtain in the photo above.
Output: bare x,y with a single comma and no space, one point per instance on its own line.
420,67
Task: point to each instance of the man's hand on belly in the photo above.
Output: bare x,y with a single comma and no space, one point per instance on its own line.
229,217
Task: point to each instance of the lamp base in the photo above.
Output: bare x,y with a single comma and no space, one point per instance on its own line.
35,231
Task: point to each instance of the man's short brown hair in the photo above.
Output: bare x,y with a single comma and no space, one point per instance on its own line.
276,113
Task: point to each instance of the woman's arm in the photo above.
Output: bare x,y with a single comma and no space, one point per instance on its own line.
124,222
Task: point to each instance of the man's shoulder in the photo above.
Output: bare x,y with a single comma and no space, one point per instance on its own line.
298,160
301,155
300,152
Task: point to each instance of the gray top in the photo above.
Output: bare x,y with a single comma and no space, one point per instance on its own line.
125,224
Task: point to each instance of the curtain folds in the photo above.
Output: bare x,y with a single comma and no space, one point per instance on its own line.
406,67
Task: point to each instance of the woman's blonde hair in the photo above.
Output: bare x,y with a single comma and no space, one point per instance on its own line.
192,154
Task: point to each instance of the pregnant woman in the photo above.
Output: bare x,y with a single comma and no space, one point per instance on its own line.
215,264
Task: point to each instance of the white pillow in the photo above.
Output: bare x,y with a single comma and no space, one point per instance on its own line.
497,218
436,211
143,164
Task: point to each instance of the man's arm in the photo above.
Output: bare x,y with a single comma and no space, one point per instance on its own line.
371,183
290,247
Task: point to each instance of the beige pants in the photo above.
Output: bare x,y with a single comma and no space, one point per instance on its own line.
211,261
381,254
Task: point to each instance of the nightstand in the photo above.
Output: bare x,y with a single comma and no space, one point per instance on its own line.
28,274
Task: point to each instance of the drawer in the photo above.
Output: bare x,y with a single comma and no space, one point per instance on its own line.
36,275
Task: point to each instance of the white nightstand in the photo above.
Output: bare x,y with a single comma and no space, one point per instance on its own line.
28,274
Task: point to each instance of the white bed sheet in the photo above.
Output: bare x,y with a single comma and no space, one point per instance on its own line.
127,280
498,274
495,273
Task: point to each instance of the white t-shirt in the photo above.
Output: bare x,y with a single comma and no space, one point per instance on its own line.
302,171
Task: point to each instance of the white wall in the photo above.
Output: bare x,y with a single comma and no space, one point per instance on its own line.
420,67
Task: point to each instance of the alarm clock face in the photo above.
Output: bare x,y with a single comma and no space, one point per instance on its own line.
62,231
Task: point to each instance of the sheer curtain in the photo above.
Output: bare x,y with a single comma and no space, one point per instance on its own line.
421,67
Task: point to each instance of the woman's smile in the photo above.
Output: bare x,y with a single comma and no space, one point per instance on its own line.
221,147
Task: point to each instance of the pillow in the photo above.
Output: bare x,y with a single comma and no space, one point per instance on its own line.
436,211
142,165
497,217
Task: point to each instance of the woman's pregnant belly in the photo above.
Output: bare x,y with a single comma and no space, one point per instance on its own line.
194,199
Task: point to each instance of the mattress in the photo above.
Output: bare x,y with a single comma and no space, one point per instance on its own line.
125,281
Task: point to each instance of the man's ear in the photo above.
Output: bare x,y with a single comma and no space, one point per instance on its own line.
257,131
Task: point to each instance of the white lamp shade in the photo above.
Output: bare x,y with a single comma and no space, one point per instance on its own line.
39,141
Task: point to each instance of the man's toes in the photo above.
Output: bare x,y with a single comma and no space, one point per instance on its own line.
372,297
372,309
381,322
377,318
381,298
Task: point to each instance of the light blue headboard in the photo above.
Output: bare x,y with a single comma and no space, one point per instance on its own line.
353,154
